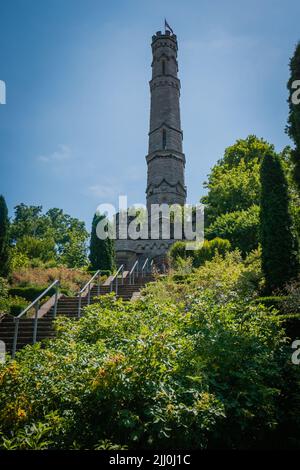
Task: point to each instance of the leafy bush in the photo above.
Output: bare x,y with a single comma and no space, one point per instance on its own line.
17,304
18,260
241,228
4,304
30,293
189,365
209,249
198,257
272,301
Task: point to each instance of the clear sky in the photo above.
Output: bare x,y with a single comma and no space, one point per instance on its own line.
73,133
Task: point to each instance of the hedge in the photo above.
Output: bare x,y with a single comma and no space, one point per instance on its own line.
30,293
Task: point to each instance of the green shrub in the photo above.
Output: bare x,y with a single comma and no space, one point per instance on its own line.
17,305
193,363
272,301
4,304
241,228
209,249
30,293
178,250
190,370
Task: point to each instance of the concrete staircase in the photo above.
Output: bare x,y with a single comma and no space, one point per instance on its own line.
66,306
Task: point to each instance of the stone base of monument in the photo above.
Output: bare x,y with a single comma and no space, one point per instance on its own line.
129,251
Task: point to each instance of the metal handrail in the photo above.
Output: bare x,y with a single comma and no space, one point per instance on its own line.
115,278
56,282
147,263
151,266
36,305
88,286
134,269
144,267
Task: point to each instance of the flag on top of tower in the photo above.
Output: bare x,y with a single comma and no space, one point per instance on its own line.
167,26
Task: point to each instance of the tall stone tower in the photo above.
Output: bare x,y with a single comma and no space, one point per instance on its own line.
165,159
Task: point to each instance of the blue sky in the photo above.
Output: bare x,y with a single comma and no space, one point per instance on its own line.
73,133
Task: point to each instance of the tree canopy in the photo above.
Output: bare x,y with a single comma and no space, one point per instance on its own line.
293,127
48,236
279,243
102,253
4,237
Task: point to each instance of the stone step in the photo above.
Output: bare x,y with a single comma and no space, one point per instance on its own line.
67,307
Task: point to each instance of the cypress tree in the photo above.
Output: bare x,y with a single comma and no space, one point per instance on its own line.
102,252
293,127
4,238
279,244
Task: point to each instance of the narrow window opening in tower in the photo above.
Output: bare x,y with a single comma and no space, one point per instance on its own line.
164,139
164,67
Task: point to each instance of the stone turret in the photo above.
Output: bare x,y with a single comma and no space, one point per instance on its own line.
165,160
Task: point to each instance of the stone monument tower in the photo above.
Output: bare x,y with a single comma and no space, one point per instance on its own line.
165,159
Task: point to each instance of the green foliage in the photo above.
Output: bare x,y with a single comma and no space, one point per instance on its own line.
208,250
189,365
29,293
102,252
18,260
74,252
36,436
293,127
279,245
36,248
4,238
233,184
273,301
51,237
17,304
178,250
4,303
241,228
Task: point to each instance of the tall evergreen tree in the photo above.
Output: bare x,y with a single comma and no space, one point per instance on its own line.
293,127
4,238
279,245
102,252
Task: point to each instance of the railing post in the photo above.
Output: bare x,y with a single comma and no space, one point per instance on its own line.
15,341
122,274
89,294
98,284
36,307
56,300
116,284
79,305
